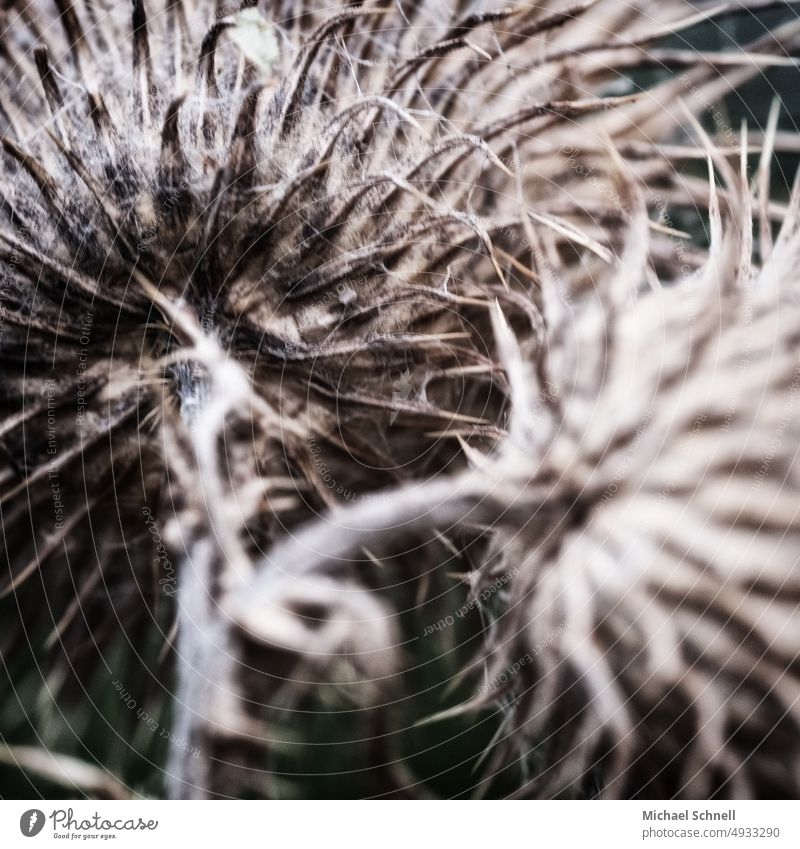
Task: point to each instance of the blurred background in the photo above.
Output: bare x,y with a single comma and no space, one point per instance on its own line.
752,101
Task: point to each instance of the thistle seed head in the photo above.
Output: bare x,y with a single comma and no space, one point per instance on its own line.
305,310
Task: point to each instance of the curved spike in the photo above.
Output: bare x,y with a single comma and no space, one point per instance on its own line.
76,36
172,156
142,62
294,90
205,64
55,100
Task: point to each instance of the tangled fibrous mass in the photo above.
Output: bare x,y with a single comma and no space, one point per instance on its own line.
336,340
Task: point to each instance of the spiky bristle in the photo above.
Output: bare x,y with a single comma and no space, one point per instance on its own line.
265,263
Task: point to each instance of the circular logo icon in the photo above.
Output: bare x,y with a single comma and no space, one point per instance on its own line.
31,822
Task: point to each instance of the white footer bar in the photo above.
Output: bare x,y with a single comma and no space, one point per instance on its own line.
400,825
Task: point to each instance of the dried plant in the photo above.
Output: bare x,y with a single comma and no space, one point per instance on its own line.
324,305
